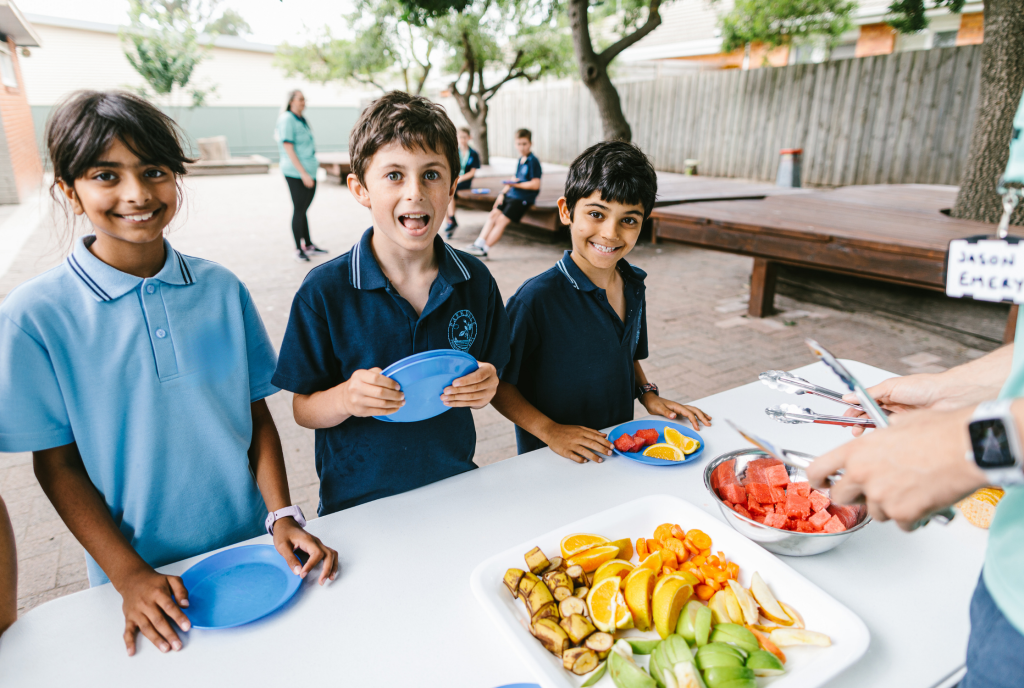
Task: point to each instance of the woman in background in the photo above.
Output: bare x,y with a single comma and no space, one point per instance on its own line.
298,164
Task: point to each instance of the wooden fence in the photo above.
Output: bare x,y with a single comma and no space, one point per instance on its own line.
900,118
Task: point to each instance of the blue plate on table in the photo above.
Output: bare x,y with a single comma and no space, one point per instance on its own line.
423,378
480,192
631,428
238,586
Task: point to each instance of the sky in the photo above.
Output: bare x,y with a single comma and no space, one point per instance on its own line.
272,21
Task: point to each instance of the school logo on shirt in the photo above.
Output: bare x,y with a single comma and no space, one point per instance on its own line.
462,330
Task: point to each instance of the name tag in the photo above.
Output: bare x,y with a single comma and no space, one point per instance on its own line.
985,269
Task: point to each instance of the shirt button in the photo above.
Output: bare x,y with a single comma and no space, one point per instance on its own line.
160,333
150,289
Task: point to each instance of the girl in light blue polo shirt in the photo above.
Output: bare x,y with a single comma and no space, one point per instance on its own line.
137,376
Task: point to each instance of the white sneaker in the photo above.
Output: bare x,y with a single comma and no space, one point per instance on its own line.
476,250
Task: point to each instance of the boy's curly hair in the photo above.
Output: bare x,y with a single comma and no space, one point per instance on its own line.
412,121
619,170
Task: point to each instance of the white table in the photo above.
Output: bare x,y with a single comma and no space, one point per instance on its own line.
401,612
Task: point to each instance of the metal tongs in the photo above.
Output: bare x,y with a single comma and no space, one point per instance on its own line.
777,452
793,414
873,410
783,381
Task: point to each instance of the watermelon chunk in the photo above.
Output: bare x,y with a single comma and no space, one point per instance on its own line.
776,520
759,518
805,527
625,443
756,470
803,489
769,508
754,507
724,474
778,495
834,525
738,508
760,493
819,519
849,516
819,501
791,524
798,507
648,435
734,493
777,476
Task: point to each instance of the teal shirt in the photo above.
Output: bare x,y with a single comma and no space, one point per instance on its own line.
1004,559
294,130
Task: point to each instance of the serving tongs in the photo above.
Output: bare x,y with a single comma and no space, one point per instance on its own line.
776,452
793,415
783,381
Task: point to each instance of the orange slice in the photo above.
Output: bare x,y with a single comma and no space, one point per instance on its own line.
669,596
579,542
665,451
625,548
652,562
613,567
593,557
639,587
602,601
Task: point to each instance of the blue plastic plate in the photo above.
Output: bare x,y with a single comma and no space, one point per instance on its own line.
238,586
632,426
480,191
423,377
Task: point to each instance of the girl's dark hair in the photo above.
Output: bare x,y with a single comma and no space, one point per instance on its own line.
619,170
83,126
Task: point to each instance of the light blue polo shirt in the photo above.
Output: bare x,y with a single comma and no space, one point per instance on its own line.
295,130
153,379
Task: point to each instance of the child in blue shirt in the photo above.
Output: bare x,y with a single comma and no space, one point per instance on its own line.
137,376
579,330
469,163
400,291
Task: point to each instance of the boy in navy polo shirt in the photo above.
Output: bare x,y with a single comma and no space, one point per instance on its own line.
515,198
401,290
579,330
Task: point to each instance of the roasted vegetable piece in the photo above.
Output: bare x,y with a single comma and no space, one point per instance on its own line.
601,643
512,578
551,636
579,660
536,561
579,628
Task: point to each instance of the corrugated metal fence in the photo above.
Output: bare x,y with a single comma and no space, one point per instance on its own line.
900,118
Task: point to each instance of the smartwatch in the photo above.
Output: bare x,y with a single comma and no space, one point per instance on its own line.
293,511
644,389
995,443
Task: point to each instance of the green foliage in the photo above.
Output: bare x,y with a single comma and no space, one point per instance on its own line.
327,59
778,22
229,23
421,11
908,16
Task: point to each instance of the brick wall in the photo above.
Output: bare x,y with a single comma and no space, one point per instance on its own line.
21,157
972,29
875,39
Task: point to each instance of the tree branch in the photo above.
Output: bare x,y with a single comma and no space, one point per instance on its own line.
653,21
513,73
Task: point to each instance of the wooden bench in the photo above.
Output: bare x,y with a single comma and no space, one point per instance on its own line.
893,233
338,166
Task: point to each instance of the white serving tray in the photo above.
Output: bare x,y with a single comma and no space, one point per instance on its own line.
806,667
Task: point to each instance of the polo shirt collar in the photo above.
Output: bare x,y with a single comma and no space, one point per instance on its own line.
106,283
365,272
579,280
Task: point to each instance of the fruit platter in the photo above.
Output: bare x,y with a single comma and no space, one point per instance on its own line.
656,442
656,593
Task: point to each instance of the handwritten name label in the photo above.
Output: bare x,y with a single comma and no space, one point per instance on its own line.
985,270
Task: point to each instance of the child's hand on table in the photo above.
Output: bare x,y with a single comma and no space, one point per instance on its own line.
577,442
148,602
368,393
657,406
288,537
474,390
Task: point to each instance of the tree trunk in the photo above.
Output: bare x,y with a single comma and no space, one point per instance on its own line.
594,74
478,132
1002,82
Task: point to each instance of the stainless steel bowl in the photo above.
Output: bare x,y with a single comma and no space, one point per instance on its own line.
785,542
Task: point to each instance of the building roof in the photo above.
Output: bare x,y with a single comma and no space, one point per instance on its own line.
15,26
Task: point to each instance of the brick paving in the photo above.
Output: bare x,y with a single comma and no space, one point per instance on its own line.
700,343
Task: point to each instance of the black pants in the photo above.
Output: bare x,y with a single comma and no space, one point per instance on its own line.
301,198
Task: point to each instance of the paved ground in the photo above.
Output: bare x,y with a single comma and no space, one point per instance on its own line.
700,342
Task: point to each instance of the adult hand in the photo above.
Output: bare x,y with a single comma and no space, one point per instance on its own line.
907,471
148,602
657,406
288,537
474,390
577,443
368,393
307,181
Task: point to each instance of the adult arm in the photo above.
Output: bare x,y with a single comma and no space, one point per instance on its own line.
366,393
571,441
148,604
266,459
8,572
289,149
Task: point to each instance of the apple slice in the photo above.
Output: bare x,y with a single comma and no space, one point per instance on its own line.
798,621
785,637
719,608
748,605
732,606
769,605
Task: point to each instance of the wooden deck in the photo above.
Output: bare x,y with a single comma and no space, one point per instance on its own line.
672,189
894,233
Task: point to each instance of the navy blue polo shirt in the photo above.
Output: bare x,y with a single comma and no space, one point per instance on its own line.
527,170
572,356
346,317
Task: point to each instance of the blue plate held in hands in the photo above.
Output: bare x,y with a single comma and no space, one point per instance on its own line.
238,586
658,424
423,378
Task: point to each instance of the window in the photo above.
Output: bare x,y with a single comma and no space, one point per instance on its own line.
7,74
944,39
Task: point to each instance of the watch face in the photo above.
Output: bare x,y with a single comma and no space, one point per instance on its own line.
990,444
